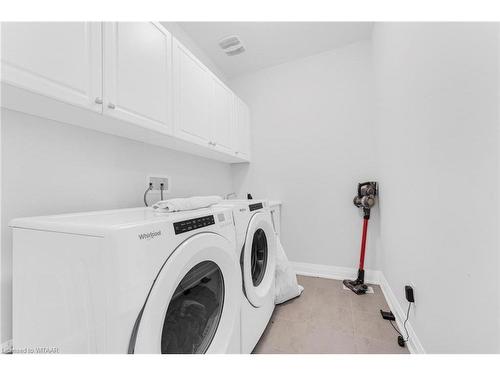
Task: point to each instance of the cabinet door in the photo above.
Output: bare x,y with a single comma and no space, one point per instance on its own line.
137,74
193,97
242,133
224,117
61,60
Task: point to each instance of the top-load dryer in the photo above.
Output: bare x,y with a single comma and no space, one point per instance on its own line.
127,281
256,249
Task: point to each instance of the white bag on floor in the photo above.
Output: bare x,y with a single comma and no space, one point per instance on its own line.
286,279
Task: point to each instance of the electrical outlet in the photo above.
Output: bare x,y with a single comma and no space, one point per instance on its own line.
157,181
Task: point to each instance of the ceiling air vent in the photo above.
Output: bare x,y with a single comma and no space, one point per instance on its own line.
231,45
235,51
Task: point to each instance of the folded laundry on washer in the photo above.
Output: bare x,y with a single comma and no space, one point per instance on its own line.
186,204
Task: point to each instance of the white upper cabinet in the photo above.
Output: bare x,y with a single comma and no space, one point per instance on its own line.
137,74
130,79
60,60
193,93
242,130
224,117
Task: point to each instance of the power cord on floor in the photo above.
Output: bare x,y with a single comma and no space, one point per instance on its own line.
401,339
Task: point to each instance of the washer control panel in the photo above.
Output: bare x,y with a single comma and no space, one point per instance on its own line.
192,224
255,206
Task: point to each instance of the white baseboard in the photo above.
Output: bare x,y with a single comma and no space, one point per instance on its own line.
334,272
6,347
371,277
414,344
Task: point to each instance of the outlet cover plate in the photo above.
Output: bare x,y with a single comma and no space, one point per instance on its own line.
156,180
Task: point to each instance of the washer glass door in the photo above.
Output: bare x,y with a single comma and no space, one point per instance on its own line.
259,256
194,311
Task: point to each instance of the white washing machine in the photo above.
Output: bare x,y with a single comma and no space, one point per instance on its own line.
127,281
256,249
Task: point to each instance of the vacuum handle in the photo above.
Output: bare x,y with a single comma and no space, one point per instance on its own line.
363,245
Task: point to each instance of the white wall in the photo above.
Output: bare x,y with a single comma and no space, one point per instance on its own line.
49,168
438,122
312,142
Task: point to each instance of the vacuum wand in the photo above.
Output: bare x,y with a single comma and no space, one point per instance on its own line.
363,245
365,199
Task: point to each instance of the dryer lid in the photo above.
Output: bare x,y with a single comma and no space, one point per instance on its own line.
98,223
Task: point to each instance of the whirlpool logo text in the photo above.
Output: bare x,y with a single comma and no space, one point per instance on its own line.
149,236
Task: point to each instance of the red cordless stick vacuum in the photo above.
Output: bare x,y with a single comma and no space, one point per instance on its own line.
365,200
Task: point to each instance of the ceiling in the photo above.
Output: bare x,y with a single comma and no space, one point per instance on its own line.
272,43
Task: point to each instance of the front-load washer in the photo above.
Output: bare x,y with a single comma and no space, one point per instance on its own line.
126,281
256,249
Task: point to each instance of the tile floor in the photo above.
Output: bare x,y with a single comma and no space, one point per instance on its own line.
328,319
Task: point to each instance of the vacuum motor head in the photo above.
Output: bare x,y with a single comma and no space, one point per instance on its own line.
364,202
367,191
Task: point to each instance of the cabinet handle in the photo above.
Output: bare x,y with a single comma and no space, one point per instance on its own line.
98,100
111,106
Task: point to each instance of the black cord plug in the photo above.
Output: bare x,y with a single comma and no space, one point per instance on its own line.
401,341
161,191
